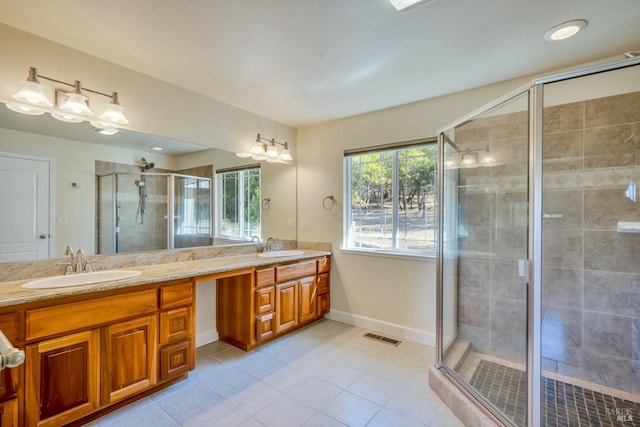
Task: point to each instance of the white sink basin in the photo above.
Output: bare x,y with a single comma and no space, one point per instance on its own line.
280,254
80,279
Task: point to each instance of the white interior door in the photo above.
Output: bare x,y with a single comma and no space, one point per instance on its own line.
24,208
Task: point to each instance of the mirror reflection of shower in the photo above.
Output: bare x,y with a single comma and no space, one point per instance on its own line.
142,191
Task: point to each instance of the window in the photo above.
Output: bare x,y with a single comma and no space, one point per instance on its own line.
391,198
238,203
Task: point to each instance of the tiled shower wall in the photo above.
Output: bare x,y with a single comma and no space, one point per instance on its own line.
591,272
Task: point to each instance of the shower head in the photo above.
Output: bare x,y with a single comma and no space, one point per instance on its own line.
146,165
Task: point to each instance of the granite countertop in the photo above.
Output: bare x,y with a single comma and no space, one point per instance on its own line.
11,292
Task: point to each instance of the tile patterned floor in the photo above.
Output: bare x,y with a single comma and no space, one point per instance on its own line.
564,404
324,375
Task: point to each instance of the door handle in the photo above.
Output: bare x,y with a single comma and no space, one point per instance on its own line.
44,236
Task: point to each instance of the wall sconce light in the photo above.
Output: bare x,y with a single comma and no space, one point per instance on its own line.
269,150
469,158
70,106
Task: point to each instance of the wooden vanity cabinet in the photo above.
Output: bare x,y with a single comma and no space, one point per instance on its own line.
87,355
270,302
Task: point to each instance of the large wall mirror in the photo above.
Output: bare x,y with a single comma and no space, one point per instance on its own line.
77,154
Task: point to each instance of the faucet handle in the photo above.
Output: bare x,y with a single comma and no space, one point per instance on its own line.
87,268
68,269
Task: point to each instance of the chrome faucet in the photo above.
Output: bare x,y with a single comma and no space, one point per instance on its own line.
256,240
79,262
270,242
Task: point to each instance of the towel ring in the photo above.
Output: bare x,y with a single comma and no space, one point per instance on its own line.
328,203
266,203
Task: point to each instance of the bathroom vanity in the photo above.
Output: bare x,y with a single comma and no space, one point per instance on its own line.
91,349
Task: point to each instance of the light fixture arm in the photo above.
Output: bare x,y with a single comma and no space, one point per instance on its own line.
34,76
272,141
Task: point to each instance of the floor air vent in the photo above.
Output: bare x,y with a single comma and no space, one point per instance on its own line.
382,339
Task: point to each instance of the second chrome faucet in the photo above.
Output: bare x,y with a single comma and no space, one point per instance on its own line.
78,264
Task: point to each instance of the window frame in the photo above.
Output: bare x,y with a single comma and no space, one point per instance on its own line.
393,251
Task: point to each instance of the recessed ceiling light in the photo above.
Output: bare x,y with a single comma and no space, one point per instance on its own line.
565,30
153,147
403,4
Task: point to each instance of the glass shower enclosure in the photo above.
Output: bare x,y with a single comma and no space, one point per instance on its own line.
148,211
539,257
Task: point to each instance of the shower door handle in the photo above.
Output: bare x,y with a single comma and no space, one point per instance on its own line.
523,268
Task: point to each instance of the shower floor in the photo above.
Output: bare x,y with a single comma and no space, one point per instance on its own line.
564,404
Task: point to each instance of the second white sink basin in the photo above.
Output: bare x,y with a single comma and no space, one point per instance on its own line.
279,254
80,279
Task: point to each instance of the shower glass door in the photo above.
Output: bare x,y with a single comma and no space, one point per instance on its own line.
191,212
485,228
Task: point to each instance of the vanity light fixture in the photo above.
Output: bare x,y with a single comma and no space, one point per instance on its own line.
404,4
70,106
269,150
565,30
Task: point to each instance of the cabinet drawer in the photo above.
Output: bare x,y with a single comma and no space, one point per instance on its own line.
322,282
324,265
175,360
265,277
265,300
295,271
10,326
43,322
264,327
175,325
176,295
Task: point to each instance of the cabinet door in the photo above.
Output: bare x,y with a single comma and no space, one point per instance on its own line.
8,383
286,306
307,299
264,327
323,305
62,379
175,325
175,360
129,358
9,413
264,300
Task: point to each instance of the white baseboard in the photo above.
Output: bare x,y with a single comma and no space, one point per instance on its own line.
397,331
206,337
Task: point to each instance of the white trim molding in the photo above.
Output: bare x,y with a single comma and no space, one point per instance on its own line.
395,330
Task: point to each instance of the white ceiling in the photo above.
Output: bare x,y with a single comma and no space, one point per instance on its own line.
305,61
